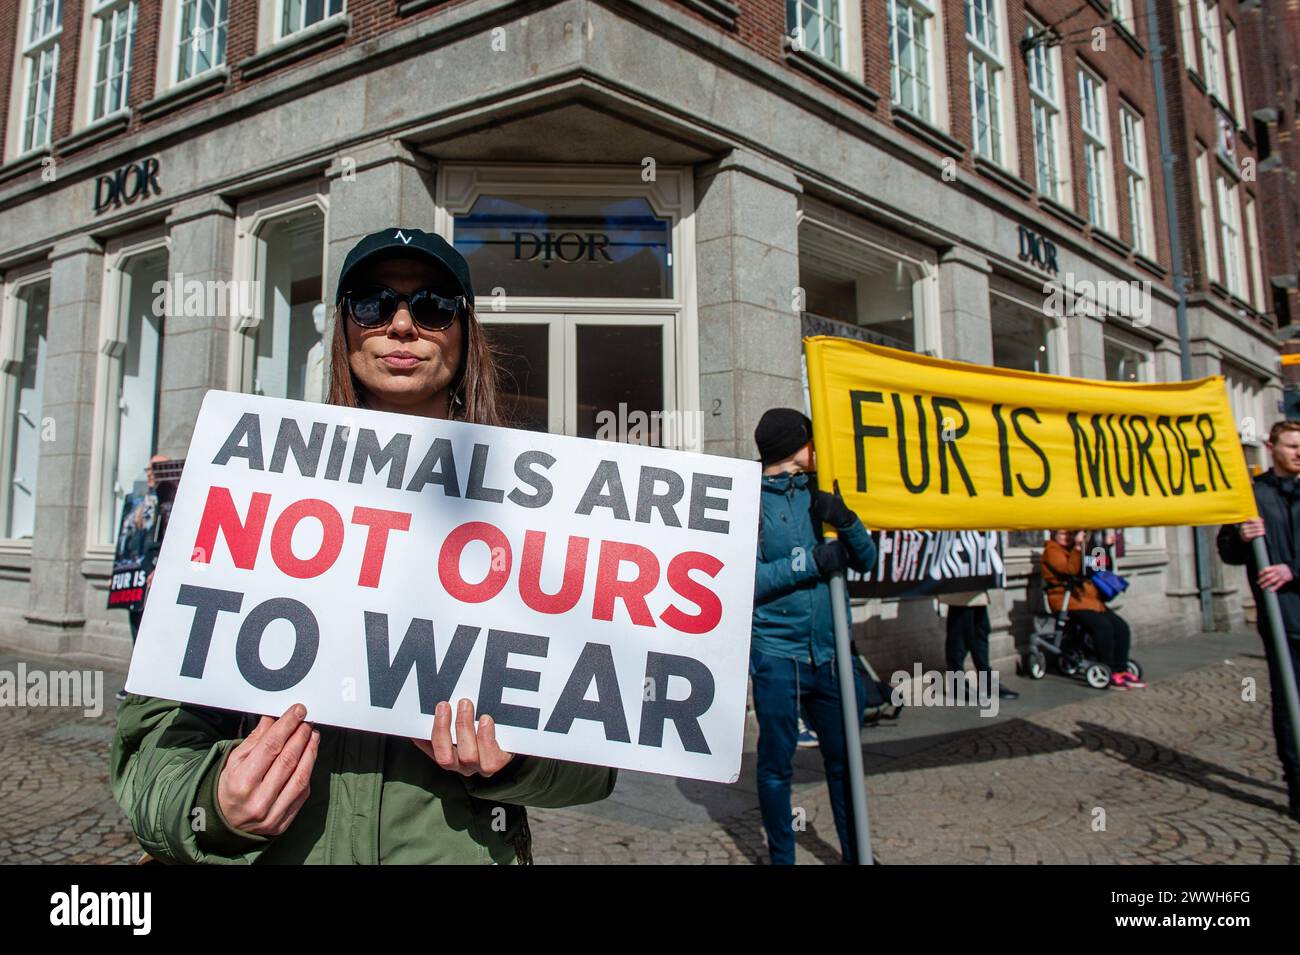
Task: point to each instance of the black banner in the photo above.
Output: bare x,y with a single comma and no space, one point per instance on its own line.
925,563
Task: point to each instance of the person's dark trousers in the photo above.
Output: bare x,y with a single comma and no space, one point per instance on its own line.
781,684
1110,636
968,631
135,617
1284,734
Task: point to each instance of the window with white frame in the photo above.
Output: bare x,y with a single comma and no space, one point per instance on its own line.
40,51
200,37
985,66
597,337
39,72
1205,214
1044,62
1135,175
1246,398
911,33
132,361
1253,257
26,311
1187,35
1122,11
818,27
1230,237
570,372
1234,74
285,356
297,15
1096,171
862,278
1207,16
114,31
1021,336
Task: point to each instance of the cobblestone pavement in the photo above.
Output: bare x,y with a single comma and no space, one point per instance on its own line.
1184,771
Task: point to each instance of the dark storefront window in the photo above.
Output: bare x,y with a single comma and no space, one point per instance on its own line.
567,247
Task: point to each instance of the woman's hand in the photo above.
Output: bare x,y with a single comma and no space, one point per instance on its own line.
267,777
476,749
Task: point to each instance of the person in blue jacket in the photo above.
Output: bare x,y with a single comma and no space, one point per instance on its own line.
792,653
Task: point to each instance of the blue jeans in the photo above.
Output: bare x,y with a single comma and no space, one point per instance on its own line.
781,684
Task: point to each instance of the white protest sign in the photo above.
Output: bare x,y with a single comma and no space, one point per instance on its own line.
594,598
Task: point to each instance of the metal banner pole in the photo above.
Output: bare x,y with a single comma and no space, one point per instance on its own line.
852,726
1277,634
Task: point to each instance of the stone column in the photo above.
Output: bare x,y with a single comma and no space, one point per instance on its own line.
374,187
747,278
195,347
1087,346
965,318
56,603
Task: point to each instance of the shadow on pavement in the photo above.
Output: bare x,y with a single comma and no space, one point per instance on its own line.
1152,757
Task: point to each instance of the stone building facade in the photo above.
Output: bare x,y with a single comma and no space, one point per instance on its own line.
914,172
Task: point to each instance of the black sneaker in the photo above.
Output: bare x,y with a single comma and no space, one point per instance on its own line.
1006,693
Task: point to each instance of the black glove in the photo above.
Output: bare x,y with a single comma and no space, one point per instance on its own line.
831,509
830,557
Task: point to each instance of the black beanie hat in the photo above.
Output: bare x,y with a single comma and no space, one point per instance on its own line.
780,433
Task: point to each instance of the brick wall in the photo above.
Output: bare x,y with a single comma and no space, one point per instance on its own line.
1270,41
8,27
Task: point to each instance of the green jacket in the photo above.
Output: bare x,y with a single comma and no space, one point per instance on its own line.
374,798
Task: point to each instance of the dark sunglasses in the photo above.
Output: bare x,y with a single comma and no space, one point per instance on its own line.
376,305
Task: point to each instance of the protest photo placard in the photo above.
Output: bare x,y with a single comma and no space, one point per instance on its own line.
948,445
592,597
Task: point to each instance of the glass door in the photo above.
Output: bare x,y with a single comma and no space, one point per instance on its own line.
592,376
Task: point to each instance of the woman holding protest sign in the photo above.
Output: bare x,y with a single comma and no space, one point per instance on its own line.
1062,569
210,786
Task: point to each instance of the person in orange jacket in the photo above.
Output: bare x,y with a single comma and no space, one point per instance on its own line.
1062,569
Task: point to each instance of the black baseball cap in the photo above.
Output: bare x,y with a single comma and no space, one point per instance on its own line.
412,242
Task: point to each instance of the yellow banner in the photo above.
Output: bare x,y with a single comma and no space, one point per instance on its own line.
921,443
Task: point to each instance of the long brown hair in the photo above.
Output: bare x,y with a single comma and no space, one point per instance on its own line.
473,389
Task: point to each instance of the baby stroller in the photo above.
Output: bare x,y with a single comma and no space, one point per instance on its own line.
1067,643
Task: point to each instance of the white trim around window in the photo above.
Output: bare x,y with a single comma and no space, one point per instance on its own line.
1136,179
917,58
1187,36
1098,181
113,25
182,59
16,413
252,216
1253,257
991,103
1205,214
1246,399
1207,20
35,75
1237,103
1046,95
114,339
278,19
1234,253
670,195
